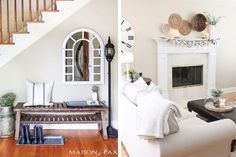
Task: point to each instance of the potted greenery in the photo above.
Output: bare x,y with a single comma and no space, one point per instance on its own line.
132,74
212,21
95,90
216,94
7,114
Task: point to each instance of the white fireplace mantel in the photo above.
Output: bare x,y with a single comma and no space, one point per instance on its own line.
164,49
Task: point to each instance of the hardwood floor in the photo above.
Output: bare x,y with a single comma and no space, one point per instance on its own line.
78,143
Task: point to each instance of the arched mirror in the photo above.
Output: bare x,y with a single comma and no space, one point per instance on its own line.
83,57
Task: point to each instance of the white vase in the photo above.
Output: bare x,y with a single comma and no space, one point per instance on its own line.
94,96
212,31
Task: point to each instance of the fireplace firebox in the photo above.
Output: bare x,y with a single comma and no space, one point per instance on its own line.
187,76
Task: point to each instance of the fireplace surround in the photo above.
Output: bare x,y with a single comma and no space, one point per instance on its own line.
170,56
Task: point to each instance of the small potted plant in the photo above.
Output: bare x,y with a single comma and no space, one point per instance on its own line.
95,90
132,74
212,21
7,114
216,93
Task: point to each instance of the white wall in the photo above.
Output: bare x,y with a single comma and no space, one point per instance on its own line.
147,17
43,60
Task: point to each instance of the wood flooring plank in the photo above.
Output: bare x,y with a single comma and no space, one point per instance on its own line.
78,143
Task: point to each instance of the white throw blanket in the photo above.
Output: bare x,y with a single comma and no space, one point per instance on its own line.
153,111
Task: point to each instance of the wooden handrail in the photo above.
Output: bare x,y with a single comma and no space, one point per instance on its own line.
1,40
18,13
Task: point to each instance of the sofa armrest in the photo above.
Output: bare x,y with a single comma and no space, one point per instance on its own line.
196,138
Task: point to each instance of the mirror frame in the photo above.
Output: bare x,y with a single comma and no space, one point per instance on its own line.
90,41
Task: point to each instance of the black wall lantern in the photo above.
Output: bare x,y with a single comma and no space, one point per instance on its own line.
110,53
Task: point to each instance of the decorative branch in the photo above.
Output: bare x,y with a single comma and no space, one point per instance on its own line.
191,43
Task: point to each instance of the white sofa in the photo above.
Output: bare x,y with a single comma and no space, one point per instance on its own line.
196,138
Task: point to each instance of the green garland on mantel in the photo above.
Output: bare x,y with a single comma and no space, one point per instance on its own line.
190,43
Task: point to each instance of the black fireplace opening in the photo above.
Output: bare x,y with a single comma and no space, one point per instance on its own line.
187,76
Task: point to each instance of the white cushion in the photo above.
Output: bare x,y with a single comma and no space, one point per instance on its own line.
131,91
152,87
185,114
141,84
39,93
139,88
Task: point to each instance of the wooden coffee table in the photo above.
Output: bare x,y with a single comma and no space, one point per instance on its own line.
198,107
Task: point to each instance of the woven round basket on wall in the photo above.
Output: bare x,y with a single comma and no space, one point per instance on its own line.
185,28
175,21
199,22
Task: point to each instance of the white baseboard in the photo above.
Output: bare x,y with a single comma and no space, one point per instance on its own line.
229,90
74,126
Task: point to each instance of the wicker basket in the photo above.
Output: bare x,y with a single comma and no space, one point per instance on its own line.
175,20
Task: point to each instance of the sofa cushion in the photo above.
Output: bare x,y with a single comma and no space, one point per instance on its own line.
185,114
141,84
190,122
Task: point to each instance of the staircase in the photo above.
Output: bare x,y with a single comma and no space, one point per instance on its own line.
37,18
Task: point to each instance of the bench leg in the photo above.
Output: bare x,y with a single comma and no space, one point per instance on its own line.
233,143
100,126
17,129
104,125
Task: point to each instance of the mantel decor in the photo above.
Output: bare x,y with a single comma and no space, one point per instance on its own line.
190,42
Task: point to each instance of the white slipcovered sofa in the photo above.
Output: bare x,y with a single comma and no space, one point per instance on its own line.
195,138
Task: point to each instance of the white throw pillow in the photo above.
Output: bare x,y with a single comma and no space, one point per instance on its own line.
141,84
131,91
152,87
39,93
139,88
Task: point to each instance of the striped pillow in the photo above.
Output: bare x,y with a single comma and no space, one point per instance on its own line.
39,93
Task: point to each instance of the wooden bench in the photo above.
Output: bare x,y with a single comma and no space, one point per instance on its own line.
59,113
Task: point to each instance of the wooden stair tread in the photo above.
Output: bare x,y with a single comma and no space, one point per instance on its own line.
20,32
49,10
7,43
35,22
